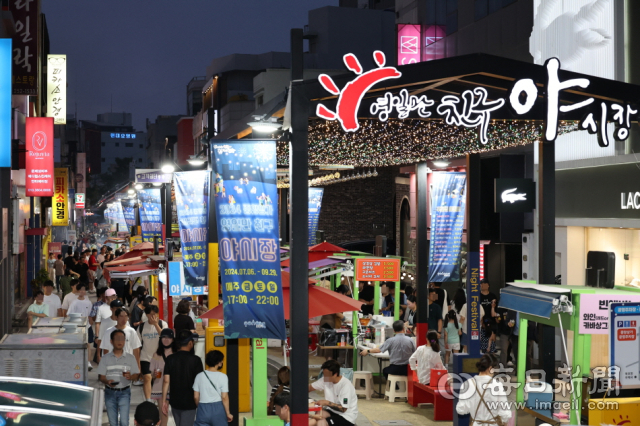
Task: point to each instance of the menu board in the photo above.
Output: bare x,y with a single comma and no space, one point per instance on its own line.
372,269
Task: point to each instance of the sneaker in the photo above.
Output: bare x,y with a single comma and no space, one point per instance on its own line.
138,383
90,367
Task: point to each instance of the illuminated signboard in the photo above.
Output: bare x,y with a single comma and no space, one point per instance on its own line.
378,269
39,157
79,201
408,44
5,102
60,202
123,135
57,88
473,108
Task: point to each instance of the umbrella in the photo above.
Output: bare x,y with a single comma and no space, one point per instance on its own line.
321,302
318,252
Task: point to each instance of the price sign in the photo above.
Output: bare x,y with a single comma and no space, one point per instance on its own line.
79,201
378,269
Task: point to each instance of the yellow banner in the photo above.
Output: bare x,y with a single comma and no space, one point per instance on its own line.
60,201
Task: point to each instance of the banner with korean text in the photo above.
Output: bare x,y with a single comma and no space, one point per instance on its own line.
246,200
315,203
448,204
192,203
25,46
60,201
150,213
39,157
120,219
129,210
57,88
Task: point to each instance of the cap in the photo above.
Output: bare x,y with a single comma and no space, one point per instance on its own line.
147,411
185,336
167,332
116,304
110,292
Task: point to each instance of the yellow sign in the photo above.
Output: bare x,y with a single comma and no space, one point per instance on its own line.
60,200
57,89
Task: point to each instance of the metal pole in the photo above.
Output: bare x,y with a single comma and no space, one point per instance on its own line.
422,264
546,247
167,231
299,241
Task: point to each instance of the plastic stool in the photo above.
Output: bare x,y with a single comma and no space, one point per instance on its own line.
367,389
391,391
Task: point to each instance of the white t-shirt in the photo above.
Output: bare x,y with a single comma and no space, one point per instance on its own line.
424,359
104,311
463,313
149,338
132,340
342,393
82,307
205,382
105,325
68,299
54,304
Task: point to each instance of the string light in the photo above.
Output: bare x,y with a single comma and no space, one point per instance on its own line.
397,142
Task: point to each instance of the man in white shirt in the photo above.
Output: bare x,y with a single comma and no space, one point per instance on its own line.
105,311
106,324
51,300
340,408
132,344
69,297
149,334
82,305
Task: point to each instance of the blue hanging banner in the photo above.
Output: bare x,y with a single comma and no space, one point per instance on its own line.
120,219
246,200
315,203
192,197
129,210
448,202
150,213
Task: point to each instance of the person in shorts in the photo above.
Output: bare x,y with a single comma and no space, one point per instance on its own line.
452,333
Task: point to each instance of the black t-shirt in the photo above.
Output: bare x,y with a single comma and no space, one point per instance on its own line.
68,262
368,295
182,368
435,314
136,316
183,322
485,301
82,268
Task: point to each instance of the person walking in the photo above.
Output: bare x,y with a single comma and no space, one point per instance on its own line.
427,358
82,305
165,349
211,393
452,333
149,334
180,372
116,370
106,324
70,297
400,348
38,309
146,414
50,299
183,321
58,267
483,397
132,343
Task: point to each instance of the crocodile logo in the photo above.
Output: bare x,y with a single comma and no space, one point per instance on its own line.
350,97
508,196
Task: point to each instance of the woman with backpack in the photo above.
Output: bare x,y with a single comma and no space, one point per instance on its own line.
211,393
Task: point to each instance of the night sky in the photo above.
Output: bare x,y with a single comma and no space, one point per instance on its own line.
144,52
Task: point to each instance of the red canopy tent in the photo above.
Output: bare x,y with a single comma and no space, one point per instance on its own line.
318,252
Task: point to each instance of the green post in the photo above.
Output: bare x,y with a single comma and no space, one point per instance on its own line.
581,361
259,377
376,298
354,328
396,305
333,282
522,357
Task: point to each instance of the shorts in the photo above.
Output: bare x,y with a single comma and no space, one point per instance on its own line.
145,367
455,346
337,420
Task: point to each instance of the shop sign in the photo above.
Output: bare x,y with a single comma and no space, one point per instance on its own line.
25,46
408,44
514,195
61,198
152,176
57,88
55,248
39,157
177,285
473,109
594,310
81,172
79,201
371,269
624,343
5,102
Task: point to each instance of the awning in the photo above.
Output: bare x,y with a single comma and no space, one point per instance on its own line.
36,231
533,299
319,264
133,274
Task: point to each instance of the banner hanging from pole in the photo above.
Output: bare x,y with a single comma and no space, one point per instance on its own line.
315,202
448,203
246,200
120,220
192,196
129,210
150,213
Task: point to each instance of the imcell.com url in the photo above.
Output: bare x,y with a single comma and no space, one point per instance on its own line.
552,405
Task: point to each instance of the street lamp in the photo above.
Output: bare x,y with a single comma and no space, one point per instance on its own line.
139,186
196,160
265,125
168,168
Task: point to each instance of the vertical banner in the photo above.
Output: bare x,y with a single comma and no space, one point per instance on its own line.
57,88
5,102
624,358
120,220
25,46
192,197
129,210
150,213
81,172
315,203
448,202
408,44
39,157
247,218
60,202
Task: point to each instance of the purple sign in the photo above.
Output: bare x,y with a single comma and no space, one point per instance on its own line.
153,176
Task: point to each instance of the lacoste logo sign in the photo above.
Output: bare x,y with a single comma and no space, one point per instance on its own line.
351,95
509,196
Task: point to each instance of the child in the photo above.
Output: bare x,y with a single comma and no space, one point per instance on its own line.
487,337
452,333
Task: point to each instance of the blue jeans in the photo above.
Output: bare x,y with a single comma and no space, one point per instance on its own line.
117,402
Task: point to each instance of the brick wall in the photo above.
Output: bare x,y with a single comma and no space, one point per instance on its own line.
351,209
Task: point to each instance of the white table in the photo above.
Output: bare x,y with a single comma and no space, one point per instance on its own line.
382,356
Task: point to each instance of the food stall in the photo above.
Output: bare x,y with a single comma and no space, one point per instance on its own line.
584,311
